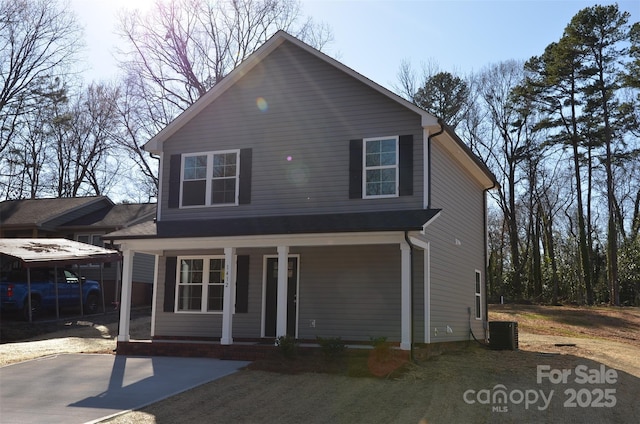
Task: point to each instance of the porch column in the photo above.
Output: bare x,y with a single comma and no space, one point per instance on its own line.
125,296
228,300
405,299
281,314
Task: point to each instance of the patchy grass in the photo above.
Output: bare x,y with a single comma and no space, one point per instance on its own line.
588,322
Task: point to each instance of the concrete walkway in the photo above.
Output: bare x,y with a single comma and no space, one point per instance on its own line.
82,388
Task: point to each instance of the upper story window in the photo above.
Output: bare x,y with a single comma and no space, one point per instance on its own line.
210,179
381,167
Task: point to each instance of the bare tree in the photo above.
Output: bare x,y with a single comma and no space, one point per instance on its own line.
182,48
39,39
407,85
91,143
506,145
135,125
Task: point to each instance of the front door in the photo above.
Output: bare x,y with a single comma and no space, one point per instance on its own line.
271,297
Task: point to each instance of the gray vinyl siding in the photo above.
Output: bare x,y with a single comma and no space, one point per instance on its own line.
453,264
143,265
245,325
314,110
352,292
184,325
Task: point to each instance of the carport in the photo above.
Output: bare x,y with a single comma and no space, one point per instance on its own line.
56,253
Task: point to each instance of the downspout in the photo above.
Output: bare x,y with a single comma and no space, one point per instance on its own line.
429,159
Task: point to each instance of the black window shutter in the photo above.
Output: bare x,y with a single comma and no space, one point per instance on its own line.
405,156
244,195
175,164
242,284
355,169
170,283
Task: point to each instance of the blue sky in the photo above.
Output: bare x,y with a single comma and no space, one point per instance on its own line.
374,36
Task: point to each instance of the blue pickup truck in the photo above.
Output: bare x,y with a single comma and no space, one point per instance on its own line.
14,291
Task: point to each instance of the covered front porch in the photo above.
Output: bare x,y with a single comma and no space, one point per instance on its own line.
386,254
355,276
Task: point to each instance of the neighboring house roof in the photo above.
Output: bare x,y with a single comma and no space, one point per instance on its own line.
449,140
403,220
116,217
39,212
39,252
73,213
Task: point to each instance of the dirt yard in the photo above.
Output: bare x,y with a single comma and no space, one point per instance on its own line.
574,365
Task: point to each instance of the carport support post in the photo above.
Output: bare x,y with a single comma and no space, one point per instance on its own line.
125,297
29,294
229,291
281,313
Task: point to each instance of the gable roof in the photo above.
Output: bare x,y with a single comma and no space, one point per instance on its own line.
446,135
155,144
39,212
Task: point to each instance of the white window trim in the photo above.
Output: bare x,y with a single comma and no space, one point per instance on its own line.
205,285
209,178
365,168
478,295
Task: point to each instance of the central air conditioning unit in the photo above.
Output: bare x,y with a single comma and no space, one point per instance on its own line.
503,335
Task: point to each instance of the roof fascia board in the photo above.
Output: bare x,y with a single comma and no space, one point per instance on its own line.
456,147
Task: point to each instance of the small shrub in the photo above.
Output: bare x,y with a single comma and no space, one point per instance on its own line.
381,348
288,346
332,347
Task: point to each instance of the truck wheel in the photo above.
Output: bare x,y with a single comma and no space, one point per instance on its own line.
35,308
92,304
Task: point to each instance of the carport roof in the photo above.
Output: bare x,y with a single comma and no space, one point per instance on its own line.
41,252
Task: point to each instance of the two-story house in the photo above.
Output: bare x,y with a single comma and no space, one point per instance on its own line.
300,198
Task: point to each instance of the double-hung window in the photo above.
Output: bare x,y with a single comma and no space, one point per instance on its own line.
380,170
200,285
210,179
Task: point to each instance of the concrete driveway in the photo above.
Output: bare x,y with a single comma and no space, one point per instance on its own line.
81,388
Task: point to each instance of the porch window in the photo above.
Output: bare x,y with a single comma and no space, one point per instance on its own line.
380,169
478,295
200,285
210,179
